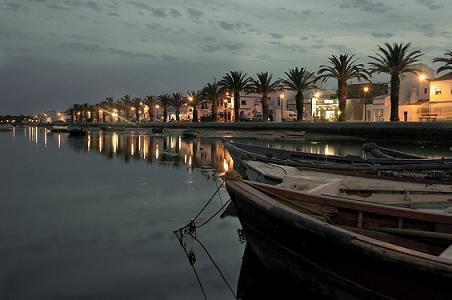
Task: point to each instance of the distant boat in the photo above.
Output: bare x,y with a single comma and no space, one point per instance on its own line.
371,251
189,133
77,131
59,128
157,129
6,128
110,128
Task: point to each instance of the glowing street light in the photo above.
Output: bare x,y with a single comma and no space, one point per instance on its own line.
422,77
366,89
317,95
190,98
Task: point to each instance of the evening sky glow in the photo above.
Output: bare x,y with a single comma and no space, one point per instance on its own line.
58,52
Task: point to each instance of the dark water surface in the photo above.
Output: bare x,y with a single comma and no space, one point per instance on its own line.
93,217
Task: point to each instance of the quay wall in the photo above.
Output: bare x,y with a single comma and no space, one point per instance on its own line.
440,131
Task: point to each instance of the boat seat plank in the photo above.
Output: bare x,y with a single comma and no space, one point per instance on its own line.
447,253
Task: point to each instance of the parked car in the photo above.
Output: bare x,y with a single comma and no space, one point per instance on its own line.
289,116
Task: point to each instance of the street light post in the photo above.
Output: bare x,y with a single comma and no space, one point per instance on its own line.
366,90
157,111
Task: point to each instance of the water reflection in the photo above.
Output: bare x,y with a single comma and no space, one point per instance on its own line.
198,153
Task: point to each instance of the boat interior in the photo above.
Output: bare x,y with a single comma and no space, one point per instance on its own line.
429,233
355,188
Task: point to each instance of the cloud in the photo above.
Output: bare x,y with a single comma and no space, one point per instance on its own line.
382,34
129,54
232,26
276,36
169,58
14,6
174,12
427,29
195,14
113,14
366,6
430,4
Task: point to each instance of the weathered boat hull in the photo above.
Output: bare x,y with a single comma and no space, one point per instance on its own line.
342,260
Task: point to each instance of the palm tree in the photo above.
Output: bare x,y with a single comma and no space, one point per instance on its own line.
343,69
264,85
109,106
447,61
194,99
395,60
212,92
165,102
151,101
299,81
177,100
235,82
126,104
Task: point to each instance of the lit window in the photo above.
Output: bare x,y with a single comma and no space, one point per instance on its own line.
437,91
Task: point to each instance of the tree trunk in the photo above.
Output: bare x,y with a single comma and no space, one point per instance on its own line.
151,114
236,106
177,114
195,114
165,114
299,100
137,115
214,109
395,88
265,107
342,96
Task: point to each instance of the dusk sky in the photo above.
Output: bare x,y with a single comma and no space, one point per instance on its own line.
57,52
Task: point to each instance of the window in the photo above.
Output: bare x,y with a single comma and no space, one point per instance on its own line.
451,90
243,102
425,90
437,91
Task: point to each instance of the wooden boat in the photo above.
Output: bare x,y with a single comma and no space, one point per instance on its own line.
372,150
421,169
77,131
382,190
110,128
59,128
189,133
6,128
369,250
157,129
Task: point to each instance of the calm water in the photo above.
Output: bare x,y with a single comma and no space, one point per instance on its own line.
93,217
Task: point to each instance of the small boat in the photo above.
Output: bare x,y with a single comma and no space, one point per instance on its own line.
372,150
189,133
77,131
157,129
59,128
110,128
370,250
433,169
6,128
386,191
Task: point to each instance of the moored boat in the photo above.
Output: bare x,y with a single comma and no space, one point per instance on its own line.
157,129
436,169
369,250
189,133
384,190
110,128
77,131
59,128
6,128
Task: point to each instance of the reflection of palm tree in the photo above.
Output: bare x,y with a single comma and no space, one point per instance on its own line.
447,62
235,82
194,99
177,100
395,60
299,81
212,92
264,85
343,69
151,101
165,102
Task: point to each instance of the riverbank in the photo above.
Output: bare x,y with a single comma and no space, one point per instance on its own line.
440,132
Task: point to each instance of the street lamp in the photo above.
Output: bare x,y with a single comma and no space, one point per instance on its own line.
156,111
366,90
422,77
